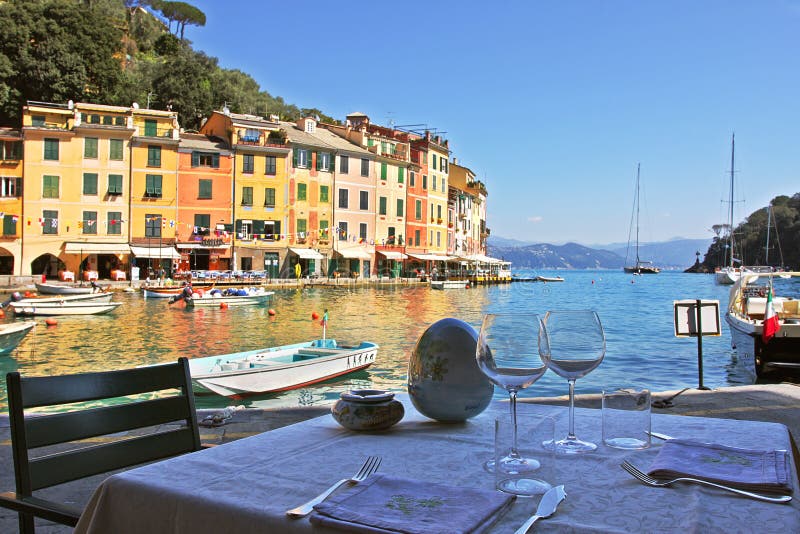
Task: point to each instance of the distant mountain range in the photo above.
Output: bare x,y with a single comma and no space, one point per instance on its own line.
673,254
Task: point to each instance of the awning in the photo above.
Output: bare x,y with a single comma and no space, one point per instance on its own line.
390,255
307,253
480,258
155,252
431,257
354,254
200,246
97,248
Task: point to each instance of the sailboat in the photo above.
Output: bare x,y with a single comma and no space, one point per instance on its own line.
729,274
641,267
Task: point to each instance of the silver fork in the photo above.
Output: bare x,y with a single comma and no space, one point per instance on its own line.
650,481
371,465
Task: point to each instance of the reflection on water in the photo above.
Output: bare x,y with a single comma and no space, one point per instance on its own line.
636,314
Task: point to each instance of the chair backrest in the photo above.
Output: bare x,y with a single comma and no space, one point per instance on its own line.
79,460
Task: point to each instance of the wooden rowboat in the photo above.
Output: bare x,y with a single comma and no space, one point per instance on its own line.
279,368
64,308
92,297
167,292
244,297
11,335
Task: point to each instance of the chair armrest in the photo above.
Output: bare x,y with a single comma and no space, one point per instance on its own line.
52,511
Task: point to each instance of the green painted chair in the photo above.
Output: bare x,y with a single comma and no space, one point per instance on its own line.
162,395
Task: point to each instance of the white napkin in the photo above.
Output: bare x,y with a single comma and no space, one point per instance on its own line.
748,469
383,504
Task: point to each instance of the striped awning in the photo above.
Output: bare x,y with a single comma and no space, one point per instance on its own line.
155,252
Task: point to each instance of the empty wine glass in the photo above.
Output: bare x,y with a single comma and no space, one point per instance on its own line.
507,354
572,344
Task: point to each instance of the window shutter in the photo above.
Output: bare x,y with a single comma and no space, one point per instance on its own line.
332,163
294,157
277,227
195,159
19,187
318,162
215,161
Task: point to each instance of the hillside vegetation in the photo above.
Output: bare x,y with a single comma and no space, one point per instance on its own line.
750,237
118,52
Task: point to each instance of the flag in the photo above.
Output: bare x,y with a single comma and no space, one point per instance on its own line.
771,324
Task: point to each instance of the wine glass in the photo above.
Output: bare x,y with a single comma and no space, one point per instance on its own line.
507,354
572,344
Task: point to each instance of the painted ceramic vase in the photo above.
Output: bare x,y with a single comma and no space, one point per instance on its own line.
444,381
367,409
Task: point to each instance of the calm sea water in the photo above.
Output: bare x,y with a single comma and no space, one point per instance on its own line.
637,314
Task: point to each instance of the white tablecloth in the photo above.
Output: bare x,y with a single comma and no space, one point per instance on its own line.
246,486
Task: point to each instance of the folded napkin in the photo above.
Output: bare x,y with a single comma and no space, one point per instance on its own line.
388,504
748,469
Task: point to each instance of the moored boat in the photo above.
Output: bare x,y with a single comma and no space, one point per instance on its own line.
641,266
449,284
230,297
63,308
747,308
58,289
91,297
167,292
279,368
549,279
11,334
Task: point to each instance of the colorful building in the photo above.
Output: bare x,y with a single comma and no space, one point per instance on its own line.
204,203
417,209
466,212
10,200
260,204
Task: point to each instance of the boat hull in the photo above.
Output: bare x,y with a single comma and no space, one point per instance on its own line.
12,334
92,297
642,270
67,308
53,289
745,318
449,284
166,292
212,301
278,369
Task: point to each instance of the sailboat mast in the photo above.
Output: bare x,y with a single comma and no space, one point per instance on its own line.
730,202
638,165
769,223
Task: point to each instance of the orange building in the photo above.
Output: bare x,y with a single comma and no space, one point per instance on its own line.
10,199
204,227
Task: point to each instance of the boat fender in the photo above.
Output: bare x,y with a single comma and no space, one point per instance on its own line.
50,321
198,293
2,314
271,312
223,305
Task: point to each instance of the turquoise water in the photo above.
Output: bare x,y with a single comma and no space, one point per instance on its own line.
637,314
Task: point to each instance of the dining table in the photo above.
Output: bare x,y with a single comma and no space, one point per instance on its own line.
246,486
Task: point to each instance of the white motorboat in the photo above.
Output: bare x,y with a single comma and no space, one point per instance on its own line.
11,334
745,317
229,297
63,308
58,289
91,297
279,368
449,284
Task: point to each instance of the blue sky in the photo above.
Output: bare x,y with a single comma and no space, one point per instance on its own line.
553,103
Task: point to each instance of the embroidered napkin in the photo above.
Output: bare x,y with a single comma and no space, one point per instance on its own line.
387,504
748,469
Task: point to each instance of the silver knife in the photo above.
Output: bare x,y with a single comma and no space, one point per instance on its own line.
660,435
547,506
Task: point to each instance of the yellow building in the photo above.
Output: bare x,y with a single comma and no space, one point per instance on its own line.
153,189
75,201
438,168
10,200
260,188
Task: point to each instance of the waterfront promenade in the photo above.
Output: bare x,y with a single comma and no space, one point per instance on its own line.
778,403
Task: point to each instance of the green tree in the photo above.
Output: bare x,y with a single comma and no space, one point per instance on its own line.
55,51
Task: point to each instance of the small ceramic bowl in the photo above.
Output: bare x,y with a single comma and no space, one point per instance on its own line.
367,409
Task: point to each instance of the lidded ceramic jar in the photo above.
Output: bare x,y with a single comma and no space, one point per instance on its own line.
367,409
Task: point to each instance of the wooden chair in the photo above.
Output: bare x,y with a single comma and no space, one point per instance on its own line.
73,459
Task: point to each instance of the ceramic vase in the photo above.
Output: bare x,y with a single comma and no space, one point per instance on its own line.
367,409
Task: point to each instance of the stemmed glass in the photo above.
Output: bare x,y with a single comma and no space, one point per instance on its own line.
507,355
572,344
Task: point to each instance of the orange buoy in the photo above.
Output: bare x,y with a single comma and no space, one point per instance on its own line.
223,305
28,294
314,315
2,314
271,311
50,321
